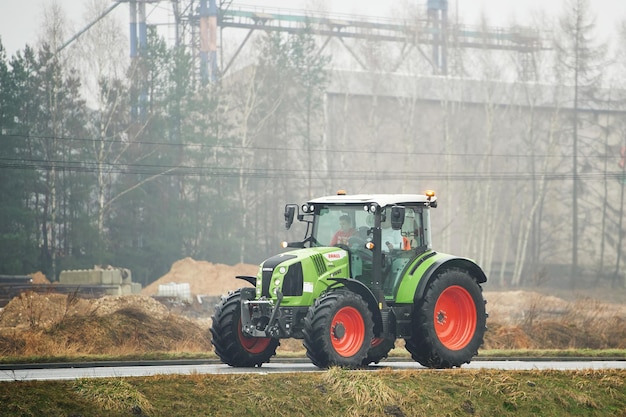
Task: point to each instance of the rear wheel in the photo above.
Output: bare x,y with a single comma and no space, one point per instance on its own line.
449,322
231,345
338,330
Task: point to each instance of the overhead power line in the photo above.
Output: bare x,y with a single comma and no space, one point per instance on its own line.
233,171
318,150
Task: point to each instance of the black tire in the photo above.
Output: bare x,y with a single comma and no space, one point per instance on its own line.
230,344
338,330
449,322
379,350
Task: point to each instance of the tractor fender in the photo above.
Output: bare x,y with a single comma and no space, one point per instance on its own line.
361,289
249,278
445,263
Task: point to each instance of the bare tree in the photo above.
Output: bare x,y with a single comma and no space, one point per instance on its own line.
52,35
497,98
619,127
544,141
100,53
579,62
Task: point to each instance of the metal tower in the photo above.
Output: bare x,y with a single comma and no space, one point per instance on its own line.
197,24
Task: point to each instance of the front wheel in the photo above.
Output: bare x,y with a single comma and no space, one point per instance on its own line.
379,350
231,345
338,330
449,322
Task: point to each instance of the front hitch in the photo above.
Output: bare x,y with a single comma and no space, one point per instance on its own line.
273,330
258,317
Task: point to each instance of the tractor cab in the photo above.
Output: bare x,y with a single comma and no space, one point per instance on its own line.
381,233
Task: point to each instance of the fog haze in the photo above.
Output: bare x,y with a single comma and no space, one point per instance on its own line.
20,20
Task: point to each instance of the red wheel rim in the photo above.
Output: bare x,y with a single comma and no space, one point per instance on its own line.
347,331
455,317
253,345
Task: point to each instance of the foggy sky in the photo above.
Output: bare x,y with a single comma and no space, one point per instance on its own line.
20,20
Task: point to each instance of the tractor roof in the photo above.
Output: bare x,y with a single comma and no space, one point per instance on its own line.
380,199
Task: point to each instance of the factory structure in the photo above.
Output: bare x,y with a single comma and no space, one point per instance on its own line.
203,25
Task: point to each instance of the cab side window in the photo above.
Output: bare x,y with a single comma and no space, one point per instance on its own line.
413,228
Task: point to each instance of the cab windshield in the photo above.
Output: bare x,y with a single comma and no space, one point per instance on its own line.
335,224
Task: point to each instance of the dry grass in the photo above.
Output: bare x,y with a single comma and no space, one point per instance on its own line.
548,322
65,325
56,326
112,394
333,392
367,389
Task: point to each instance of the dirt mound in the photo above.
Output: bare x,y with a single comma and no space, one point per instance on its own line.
129,330
506,337
108,305
204,278
39,278
57,324
531,320
557,335
36,310
33,310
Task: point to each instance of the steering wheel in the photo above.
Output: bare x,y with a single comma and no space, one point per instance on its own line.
357,246
342,246
356,240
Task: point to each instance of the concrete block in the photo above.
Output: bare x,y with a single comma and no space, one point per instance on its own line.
126,276
125,289
111,277
80,277
114,290
135,288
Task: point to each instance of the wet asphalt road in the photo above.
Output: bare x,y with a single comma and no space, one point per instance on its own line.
66,371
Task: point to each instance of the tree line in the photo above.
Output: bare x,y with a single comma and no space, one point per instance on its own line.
96,183
151,166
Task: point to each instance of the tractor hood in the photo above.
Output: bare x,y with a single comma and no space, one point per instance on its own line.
324,257
298,272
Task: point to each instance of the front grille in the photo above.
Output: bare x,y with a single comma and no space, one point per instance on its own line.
292,283
265,283
320,265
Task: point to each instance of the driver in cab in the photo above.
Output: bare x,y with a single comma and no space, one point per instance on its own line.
393,239
345,231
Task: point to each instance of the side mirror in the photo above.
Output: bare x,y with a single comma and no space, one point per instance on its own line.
290,212
397,217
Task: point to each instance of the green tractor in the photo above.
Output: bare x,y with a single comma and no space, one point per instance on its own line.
364,275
